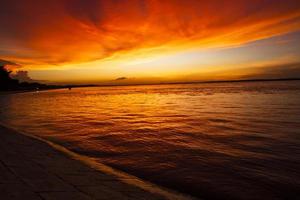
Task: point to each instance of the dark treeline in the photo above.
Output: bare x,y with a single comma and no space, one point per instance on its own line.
6,82
9,84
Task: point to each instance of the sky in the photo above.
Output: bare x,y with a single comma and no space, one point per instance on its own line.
150,41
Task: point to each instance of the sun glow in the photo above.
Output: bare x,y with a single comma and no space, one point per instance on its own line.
102,40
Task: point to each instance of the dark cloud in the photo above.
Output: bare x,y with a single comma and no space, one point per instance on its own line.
6,62
90,10
22,76
271,71
288,70
120,78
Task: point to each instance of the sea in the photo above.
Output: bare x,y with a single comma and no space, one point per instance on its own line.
238,140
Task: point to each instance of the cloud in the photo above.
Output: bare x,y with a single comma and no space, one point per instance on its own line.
58,32
22,76
6,62
290,70
120,78
287,70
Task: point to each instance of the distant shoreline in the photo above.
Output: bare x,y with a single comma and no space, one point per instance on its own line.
198,82
57,87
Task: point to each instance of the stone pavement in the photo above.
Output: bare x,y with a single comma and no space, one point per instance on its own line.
32,169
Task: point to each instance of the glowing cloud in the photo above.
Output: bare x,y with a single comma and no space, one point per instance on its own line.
60,32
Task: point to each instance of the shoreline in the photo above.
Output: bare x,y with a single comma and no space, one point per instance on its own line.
151,84
197,82
117,180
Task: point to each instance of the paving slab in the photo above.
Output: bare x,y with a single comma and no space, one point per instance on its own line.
17,192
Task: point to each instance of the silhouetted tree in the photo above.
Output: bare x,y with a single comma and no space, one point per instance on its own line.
6,82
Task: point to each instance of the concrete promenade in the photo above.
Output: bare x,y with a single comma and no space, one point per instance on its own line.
35,170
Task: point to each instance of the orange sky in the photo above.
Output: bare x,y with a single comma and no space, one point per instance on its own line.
98,40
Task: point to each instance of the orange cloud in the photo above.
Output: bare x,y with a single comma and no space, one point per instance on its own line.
58,32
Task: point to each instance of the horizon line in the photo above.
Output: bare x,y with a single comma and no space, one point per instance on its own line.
187,82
